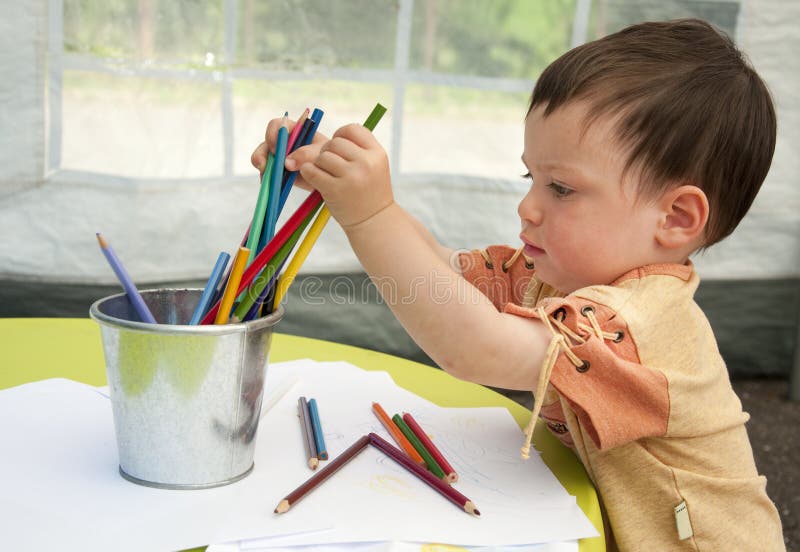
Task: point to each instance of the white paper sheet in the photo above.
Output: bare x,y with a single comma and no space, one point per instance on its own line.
59,470
61,489
567,546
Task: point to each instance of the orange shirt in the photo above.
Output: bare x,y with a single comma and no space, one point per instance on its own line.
639,390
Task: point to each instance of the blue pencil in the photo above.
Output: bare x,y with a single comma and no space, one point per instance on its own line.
275,188
319,440
210,289
122,275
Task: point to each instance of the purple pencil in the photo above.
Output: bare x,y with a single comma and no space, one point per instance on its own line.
124,278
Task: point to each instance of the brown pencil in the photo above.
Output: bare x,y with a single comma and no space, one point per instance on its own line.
396,434
438,485
316,479
308,433
412,424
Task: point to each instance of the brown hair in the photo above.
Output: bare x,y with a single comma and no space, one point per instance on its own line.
690,110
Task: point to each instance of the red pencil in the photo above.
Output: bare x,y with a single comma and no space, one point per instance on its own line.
412,424
450,493
322,475
296,130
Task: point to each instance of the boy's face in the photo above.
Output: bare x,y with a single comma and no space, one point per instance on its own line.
580,222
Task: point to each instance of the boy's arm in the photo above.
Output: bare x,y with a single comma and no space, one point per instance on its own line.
449,318
444,253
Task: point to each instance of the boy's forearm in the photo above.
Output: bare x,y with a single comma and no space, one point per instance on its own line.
444,253
450,319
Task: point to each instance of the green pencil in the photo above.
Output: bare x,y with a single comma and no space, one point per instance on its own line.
433,467
260,210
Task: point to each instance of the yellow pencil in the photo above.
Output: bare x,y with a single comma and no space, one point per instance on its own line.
316,228
226,304
290,273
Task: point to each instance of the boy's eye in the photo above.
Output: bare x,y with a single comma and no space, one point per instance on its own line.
558,190
527,176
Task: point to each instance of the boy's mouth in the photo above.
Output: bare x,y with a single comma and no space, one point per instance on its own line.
531,250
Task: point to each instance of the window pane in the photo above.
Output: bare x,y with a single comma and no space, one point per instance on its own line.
141,127
451,130
256,102
609,16
178,32
312,33
502,38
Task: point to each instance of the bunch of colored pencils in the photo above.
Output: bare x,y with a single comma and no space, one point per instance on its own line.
419,456
253,284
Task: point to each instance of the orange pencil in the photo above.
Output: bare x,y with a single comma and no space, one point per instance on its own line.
396,434
412,424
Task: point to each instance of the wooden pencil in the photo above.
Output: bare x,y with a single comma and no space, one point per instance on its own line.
271,219
316,425
228,296
322,219
433,467
315,480
412,424
260,211
127,283
450,493
396,434
308,433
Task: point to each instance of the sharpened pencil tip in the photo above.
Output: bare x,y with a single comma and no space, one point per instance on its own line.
282,507
101,240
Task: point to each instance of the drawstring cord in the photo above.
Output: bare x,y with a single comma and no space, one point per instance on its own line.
507,264
563,340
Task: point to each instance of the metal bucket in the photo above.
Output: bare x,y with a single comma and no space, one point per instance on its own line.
186,399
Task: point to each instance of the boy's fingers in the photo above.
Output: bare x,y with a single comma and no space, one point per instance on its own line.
342,147
316,177
358,134
306,154
331,163
259,157
271,134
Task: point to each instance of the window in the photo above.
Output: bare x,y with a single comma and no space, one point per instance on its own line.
183,90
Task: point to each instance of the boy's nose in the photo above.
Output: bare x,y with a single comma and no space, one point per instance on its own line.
529,210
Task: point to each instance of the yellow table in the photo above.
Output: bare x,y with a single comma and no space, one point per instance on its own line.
33,349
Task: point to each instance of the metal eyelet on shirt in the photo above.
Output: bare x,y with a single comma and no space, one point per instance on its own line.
587,309
528,265
620,335
560,314
505,268
489,265
584,367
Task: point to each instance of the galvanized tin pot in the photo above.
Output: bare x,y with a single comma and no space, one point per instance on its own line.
186,399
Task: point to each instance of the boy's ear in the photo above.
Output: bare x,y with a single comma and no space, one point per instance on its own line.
684,214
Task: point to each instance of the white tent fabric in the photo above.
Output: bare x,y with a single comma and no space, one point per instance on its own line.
156,156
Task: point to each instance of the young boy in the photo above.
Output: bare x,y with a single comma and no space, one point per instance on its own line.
642,148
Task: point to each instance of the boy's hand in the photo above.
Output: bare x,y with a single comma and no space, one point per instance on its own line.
352,174
310,152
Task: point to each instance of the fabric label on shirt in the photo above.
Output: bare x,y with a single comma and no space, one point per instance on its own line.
682,521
